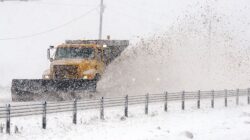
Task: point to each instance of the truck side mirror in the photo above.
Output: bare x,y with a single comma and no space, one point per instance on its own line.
48,53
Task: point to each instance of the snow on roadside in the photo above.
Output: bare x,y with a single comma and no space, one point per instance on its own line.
219,123
5,95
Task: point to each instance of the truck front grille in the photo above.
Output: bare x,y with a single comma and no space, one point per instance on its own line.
65,71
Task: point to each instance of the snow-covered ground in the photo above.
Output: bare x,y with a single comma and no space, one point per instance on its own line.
204,124
5,95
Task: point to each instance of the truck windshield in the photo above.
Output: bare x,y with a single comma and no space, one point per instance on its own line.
64,53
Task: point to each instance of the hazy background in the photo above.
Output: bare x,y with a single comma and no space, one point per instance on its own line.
188,44
26,57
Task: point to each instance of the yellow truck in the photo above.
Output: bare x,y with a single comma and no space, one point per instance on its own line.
76,66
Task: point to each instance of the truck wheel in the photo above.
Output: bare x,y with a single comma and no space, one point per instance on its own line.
97,77
94,84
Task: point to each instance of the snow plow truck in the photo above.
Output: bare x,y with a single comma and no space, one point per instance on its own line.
75,67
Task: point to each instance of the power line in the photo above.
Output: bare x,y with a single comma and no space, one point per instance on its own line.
65,4
50,30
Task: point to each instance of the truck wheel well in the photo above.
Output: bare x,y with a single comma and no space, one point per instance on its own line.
97,77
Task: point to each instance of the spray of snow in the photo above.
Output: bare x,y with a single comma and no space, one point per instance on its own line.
202,50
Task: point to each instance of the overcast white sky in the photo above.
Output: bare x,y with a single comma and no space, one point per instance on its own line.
123,19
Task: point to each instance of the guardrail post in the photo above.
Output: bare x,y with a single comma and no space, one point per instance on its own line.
212,100
248,95
199,99
44,120
126,106
146,104
166,102
8,119
1,128
225,97
102,109
75,112
237,96
183,100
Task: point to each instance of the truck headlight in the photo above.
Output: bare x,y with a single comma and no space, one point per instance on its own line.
85,77
46,76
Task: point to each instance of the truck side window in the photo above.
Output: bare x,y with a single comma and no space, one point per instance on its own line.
99,55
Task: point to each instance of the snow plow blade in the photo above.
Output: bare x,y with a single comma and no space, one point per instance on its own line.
41,90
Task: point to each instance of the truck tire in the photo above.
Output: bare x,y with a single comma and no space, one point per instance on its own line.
94,85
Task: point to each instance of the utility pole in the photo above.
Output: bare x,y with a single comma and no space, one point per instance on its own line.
101,18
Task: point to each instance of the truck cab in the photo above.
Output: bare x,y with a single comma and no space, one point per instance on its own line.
75,61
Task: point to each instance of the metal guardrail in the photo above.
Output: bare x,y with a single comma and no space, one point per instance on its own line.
29,109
